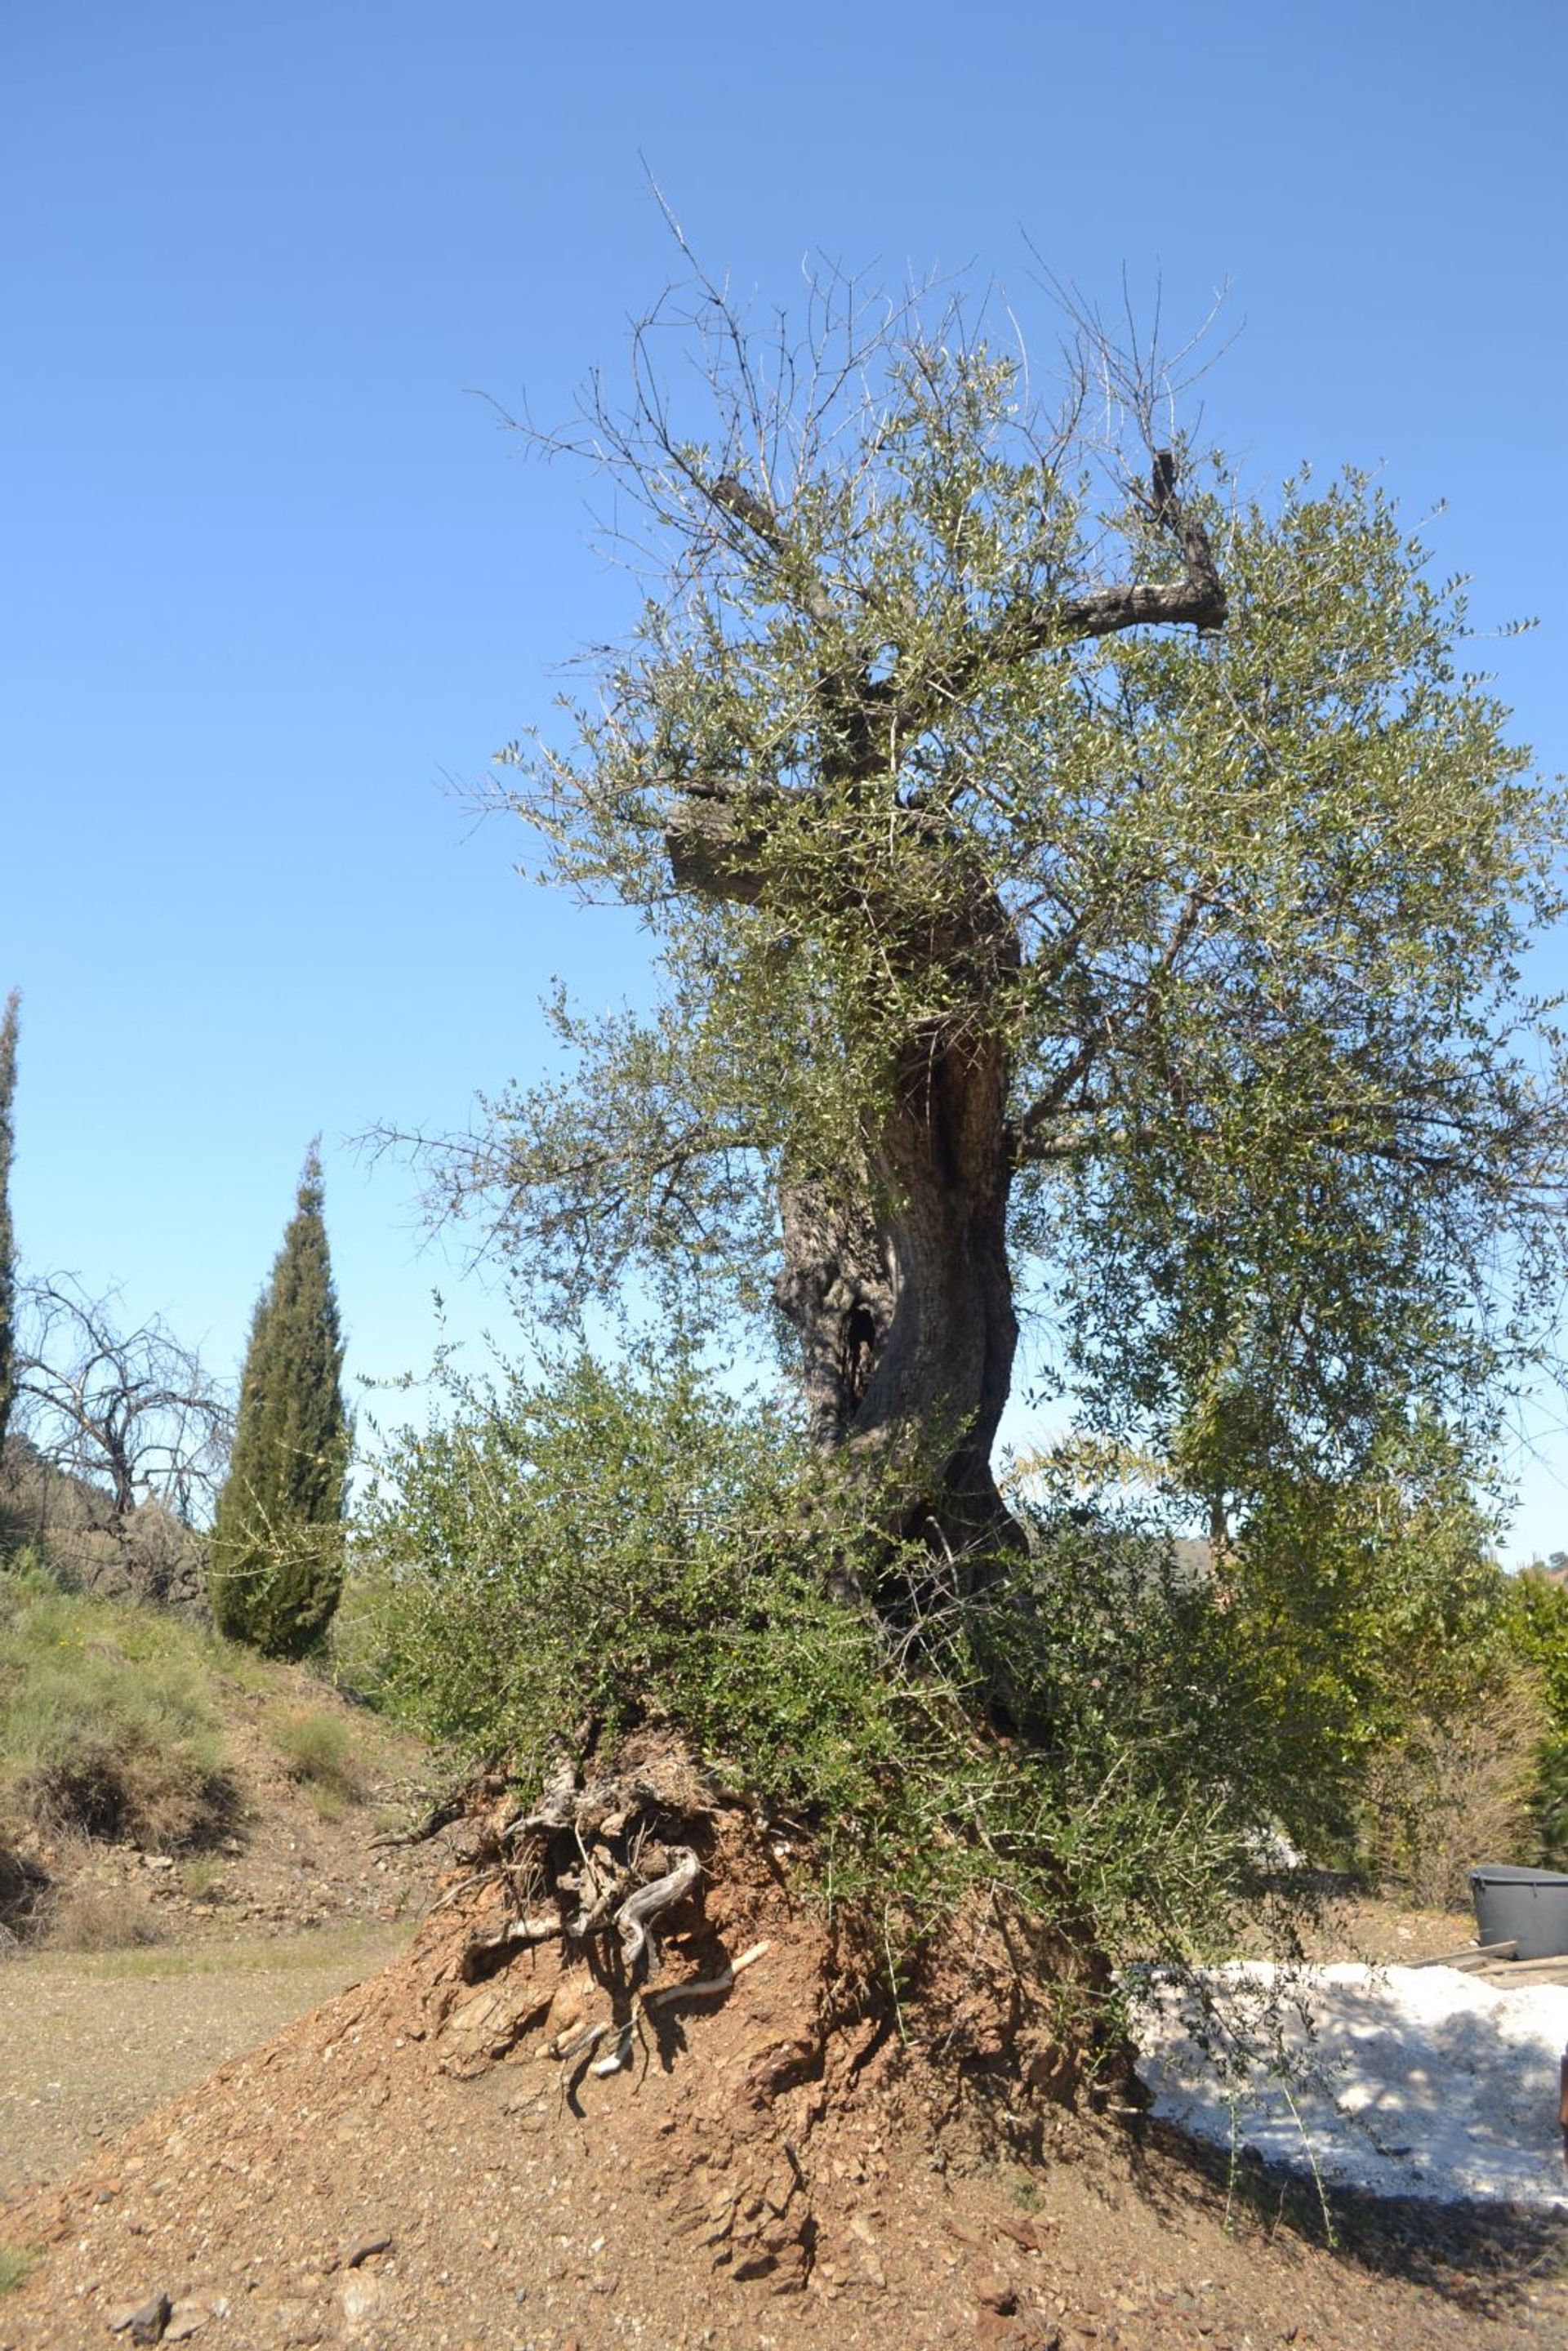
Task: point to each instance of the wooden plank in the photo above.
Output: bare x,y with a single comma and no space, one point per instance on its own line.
1471,1955
1507,1972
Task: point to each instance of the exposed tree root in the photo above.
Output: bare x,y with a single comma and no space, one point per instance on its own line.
597,1849
552,1953
633,1918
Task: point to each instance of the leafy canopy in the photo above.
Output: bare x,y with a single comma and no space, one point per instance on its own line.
1286,1132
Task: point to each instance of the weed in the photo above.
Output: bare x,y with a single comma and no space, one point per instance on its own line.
241,1669
18,2264
358,1943
319,1749
101,1919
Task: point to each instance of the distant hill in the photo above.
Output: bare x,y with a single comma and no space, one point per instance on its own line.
35,1494
70,1520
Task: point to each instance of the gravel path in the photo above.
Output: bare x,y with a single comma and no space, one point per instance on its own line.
91,2044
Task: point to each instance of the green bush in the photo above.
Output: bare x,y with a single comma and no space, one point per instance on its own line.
1454,1790
607,1548
1372,1619
596,1549
1538,1627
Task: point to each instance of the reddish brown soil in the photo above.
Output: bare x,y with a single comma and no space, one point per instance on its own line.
775,2165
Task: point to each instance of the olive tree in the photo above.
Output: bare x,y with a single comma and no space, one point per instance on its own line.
1070,878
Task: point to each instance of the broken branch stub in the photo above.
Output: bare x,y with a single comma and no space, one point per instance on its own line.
555,1811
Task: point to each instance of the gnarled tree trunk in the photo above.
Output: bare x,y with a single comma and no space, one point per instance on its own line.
897,1282
895,1271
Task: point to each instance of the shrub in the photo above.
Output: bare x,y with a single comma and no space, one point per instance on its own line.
611,1547
24,1888
101,1919
1538,1628
1454,1791
1372,1618
319,1752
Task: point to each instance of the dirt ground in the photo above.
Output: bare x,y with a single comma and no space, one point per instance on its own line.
409,2165
89,2042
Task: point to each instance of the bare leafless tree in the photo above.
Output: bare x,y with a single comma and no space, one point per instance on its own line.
127,1406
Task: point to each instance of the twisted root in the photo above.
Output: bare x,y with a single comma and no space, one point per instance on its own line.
634,1913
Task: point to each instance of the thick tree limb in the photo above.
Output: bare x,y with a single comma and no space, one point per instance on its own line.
721,842
1030,625
717,836
734,498
1201,601
1038,624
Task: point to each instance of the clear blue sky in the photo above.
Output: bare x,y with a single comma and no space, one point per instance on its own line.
273,579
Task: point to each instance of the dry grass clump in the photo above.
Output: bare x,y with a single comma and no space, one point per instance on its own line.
101,1919
124,1789
23,1888
319,1749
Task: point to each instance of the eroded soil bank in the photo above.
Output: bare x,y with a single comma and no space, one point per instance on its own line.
439,2156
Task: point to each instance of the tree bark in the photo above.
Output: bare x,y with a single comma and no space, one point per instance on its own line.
897,1282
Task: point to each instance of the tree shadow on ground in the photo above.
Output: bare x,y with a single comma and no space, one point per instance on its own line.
1480,2257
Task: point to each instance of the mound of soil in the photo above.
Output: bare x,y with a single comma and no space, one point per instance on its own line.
693,2120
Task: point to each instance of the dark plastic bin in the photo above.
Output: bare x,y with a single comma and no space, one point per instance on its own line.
1529,1907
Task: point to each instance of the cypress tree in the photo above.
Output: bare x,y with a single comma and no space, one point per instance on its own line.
277,1565
7,1242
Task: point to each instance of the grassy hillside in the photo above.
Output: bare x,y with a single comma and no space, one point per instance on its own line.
147,1765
